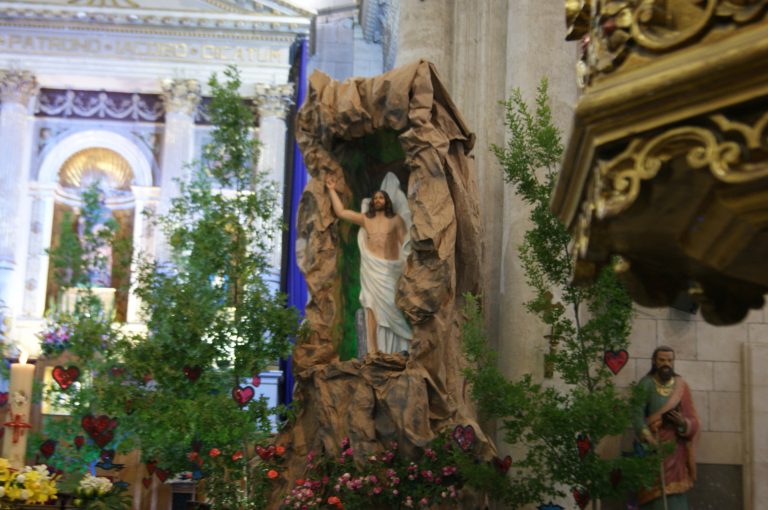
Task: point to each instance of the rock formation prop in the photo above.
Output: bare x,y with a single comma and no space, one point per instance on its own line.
384,397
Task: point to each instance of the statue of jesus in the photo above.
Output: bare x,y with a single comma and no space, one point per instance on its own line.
382,237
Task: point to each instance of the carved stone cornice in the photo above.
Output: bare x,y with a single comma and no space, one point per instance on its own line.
17,86
273,100
181,95
142,19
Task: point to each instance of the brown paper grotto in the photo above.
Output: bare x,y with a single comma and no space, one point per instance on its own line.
357,132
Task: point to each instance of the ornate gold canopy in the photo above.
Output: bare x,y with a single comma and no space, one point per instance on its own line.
667,165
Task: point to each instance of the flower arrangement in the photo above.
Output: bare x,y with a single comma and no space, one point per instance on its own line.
54,338
435,476
238,480
98,492
28,486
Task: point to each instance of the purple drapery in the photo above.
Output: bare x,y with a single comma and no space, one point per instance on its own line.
296,286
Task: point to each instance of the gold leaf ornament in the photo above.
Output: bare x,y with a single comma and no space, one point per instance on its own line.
578,14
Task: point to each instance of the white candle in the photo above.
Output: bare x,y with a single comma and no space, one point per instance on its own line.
20,402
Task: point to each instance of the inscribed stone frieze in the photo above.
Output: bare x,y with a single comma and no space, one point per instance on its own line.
110,46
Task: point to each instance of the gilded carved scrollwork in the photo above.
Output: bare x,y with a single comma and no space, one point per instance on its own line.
611,29
719,148
668,160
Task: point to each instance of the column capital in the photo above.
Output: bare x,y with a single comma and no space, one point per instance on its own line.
17,86
273,100
181,95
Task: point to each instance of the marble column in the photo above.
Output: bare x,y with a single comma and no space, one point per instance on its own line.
17,90
146,199
272,104
42,197
181,98
425,31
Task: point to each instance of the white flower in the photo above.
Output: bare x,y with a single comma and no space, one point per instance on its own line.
97,484
25,494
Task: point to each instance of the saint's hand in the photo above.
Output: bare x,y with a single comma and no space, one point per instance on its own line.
330,182
677,418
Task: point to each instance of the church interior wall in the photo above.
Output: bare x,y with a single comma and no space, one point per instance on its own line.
485,51
482,51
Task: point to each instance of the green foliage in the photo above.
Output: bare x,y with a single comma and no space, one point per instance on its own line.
85,246
546,420
212,320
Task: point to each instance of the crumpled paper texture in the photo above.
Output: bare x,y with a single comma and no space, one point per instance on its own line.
385,397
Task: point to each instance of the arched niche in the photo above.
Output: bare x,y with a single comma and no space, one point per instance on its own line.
76,142
75,161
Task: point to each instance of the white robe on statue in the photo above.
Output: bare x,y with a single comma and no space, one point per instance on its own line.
378,278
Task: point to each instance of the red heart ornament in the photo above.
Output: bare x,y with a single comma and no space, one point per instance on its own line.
64,377
581,496
79,442
464,436
146,481
265,453
161,474
103,439
584,444
3,398
193,373
502,466
255,381
615,360
48,448
117,372
242,394
151,466
99,428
